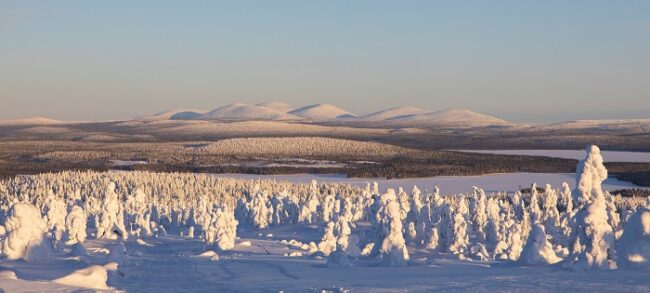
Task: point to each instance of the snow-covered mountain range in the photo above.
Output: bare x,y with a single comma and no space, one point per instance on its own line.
277,111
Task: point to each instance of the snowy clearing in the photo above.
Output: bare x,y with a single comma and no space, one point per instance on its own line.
609,156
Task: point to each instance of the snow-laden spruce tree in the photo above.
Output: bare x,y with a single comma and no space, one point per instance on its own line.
492,228
456,229
260,213
393,246
139,213
55,212
566,199
551,215
75,224
26,234
110,224
535,211
201,214
415,206
280,214
309,210
327,243
633,249
538,251
223,228
592,241
479,213
404,202
433,239
515,241
346,241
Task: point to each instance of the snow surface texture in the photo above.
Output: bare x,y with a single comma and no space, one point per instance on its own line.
161,232
93,277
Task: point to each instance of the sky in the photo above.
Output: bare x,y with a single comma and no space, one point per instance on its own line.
526,61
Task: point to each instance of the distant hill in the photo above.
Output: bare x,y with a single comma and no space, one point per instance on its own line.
460,117
393,113
322,112
241,111
177,114
283,107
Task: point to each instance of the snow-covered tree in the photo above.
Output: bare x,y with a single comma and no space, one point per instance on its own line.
393,246
75,224
110,224
26,234
593,241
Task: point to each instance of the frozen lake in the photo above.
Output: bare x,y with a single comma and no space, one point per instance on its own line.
448,184
609,156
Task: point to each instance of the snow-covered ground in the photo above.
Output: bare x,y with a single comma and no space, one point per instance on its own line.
174,232
172,264
509,182
609,156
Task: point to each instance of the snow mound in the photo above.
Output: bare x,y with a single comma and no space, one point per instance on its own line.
240,111
8,275
78,250
93,277
634,245
279,106
338,259
117,253
394,113
143,243
322,112
211,255
538,251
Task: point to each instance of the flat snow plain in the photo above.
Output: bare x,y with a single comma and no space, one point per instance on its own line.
609,156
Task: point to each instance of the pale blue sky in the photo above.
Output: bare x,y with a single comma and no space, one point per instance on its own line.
520,60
